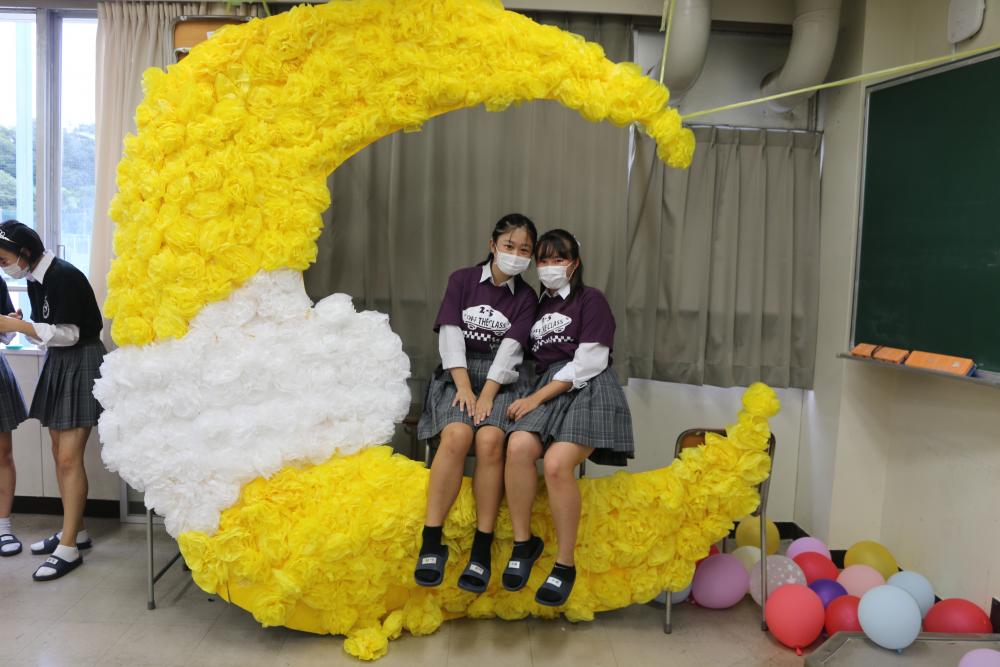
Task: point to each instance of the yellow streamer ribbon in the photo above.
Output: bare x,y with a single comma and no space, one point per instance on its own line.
899,69
665,24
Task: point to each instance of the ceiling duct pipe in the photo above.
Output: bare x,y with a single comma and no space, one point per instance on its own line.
814,40
689,30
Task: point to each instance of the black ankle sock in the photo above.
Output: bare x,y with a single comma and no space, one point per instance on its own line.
432,541
526,548
568,575
481,544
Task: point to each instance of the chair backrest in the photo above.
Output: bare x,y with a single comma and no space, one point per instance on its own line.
695,437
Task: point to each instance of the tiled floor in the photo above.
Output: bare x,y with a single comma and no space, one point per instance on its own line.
97,616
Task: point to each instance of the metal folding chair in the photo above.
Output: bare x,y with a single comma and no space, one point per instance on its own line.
693,438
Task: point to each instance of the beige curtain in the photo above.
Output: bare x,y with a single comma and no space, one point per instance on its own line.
131,37
723,260
412,208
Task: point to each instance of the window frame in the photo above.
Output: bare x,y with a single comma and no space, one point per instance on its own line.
48,122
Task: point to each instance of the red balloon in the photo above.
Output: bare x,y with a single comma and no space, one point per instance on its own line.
842,615
711,552
816,566
957,616
794,615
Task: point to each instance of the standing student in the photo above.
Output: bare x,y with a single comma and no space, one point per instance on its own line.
482,328
12,413
576,411
67,324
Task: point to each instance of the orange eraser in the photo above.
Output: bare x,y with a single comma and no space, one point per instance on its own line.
941,363
865,350
891,355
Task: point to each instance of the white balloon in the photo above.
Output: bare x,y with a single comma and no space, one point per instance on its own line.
748,555
889,617
780,571
916,585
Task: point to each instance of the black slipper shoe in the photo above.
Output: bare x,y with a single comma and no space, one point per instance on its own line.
432,565
7,539
518,570
475,578
61,567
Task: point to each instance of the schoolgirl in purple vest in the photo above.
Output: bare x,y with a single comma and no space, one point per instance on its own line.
576,410
483,328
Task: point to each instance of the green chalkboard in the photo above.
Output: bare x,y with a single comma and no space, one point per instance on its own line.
928,271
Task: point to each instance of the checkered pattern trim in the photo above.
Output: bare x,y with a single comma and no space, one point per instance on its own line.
551,339
480,336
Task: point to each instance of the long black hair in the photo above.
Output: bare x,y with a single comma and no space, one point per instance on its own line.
21,240
509,223
560,243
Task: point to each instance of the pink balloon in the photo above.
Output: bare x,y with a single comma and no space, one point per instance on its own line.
859,579
804,544
720,581
980,657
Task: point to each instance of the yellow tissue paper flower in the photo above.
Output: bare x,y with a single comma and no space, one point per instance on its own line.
235,142
331,548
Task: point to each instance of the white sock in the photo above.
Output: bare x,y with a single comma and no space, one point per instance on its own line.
68,554
6,529
81,536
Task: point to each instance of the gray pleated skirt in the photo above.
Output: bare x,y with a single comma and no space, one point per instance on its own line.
64,397
12,408
439,412
596,415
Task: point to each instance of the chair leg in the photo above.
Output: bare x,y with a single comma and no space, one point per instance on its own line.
150,600
763,566
667,624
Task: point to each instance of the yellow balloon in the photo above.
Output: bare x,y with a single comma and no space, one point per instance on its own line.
873,555
748,534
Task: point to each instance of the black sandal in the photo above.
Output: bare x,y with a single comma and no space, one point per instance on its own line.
6,539
434,564
520,568
61,567
50,543
559,587
475,577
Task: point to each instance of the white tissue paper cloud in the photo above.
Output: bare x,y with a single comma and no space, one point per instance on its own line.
261,381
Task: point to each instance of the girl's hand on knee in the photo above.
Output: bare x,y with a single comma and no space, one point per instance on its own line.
521,407
465,399
484,408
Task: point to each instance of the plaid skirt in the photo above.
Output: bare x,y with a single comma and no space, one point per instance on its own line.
64,397
12,409
439,412
596,415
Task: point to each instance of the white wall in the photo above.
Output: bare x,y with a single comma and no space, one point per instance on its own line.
662,410
906,459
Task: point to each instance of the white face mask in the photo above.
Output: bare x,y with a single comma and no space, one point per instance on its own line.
553,277
15,270
512,265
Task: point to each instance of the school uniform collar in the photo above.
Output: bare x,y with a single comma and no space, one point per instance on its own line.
563,292
38,273
488,275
